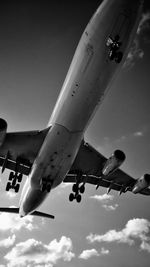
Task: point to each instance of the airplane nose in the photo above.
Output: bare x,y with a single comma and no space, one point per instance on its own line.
32,200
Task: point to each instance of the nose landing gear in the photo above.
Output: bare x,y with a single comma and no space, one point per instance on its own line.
46,184
114,46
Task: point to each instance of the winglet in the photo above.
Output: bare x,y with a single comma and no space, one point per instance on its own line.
35,213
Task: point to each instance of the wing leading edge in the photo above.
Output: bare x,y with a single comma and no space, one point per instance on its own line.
89,162
21,147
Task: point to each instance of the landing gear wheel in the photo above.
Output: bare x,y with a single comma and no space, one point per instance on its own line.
43,187
75,188
112,55
71,197
82,189
118,57
78,198
11,176
17,188
48,188
8,186
19,178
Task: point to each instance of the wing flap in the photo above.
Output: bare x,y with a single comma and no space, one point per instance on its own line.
11,165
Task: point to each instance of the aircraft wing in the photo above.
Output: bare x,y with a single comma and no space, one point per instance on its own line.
90,163
21,147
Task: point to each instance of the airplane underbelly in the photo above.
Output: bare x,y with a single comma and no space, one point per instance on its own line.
56,156
91,71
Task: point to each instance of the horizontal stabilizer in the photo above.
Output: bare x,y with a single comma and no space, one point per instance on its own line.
35,213
42,214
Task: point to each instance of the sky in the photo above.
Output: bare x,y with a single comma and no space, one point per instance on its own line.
37,42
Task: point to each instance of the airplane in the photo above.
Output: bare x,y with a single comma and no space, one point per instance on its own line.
59,153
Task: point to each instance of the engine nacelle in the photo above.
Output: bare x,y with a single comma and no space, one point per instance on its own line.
3,130
141,183
114,162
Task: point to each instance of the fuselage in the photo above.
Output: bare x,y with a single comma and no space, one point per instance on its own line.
86,84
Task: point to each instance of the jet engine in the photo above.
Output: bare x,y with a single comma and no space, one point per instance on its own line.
141,183
114,162
3,130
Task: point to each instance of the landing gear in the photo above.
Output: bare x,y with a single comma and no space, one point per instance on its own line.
114,46
14,181
46,185
77,192
118,57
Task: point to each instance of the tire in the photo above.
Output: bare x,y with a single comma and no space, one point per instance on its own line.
11,176
8,186
48,188
82,189
75,188
71,197
43,187
17,188
78,198
19,178
14,183
119,57
112,55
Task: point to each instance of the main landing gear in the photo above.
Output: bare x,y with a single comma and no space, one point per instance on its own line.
114,46
15,179
77,189
77,192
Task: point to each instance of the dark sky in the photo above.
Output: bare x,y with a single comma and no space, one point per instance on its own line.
37,43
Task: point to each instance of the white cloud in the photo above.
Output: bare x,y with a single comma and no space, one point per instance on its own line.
86,254
144,23
104,251
138,134
110,207
134,229
103,198
8,242
145,246
136,52
14,223
11,194
35,252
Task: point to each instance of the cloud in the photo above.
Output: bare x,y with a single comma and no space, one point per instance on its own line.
104,251
110,207
87,254
35,252
134,229
136,52
8,242
11,194
144,24
103,198
138,134
13,222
